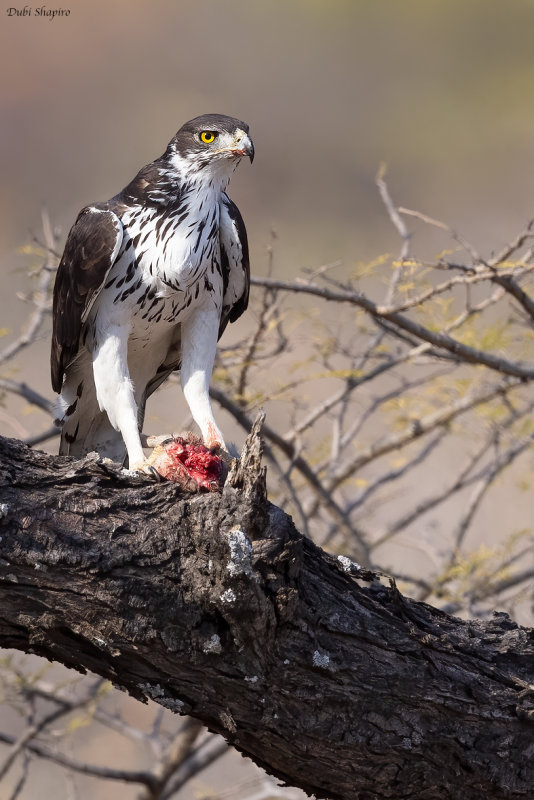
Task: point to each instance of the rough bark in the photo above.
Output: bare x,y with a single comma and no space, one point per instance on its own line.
215,606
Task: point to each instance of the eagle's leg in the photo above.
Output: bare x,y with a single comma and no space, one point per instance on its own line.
115,392
199,341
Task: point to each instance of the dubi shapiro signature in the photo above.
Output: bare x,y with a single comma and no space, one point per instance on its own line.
42,11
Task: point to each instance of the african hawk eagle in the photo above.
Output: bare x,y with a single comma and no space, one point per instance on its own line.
146,285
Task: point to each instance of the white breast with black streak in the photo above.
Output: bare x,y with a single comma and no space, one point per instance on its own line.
168,265
167,272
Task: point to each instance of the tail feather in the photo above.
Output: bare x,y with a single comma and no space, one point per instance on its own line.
95,434
84,427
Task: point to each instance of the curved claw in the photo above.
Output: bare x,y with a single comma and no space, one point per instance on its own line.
144,468
154,473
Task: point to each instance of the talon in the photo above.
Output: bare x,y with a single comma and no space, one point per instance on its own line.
145,468
155,474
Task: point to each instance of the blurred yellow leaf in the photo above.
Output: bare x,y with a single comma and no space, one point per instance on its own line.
81,721
364,268
32,250
338,373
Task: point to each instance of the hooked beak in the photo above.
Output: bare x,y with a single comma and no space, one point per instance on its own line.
244,147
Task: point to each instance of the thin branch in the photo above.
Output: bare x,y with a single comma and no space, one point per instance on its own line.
206,754
419,428
506,281
509,249
23,390
394,215
452,233
483,486
39,438
463,479
106,773
268,309
27,735
493,471
41,301
395,474
19,786
513,288
471,355
110,721
446,286
173,758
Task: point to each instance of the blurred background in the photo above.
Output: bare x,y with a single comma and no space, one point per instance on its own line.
440,91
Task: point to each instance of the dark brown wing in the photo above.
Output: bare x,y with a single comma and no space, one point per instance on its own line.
234,261
91,249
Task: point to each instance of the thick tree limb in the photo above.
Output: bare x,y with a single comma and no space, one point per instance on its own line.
215,606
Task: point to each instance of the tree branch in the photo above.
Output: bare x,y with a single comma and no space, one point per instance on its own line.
468,354
215,606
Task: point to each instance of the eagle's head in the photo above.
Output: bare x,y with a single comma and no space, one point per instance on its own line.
211,147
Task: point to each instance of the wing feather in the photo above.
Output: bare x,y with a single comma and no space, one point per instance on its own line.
92,246
234,261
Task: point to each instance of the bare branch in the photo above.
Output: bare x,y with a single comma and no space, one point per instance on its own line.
174,757
210,751
42,303
437,224
106,773
394,215
26,737
19,786
514,245
26,392
499,464
50,433
419,428
471,355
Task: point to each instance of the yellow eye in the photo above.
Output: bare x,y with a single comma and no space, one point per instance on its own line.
208,137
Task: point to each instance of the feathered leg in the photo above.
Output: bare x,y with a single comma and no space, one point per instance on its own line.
115,393
199,342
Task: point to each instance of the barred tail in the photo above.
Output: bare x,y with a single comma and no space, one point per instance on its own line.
84,427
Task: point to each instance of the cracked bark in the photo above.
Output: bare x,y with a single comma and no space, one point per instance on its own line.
215,606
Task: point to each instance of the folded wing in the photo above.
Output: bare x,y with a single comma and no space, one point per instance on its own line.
234,261
92,247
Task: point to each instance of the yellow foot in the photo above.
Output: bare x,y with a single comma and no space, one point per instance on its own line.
145,468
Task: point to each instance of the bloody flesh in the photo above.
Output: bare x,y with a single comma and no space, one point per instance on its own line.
185,461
